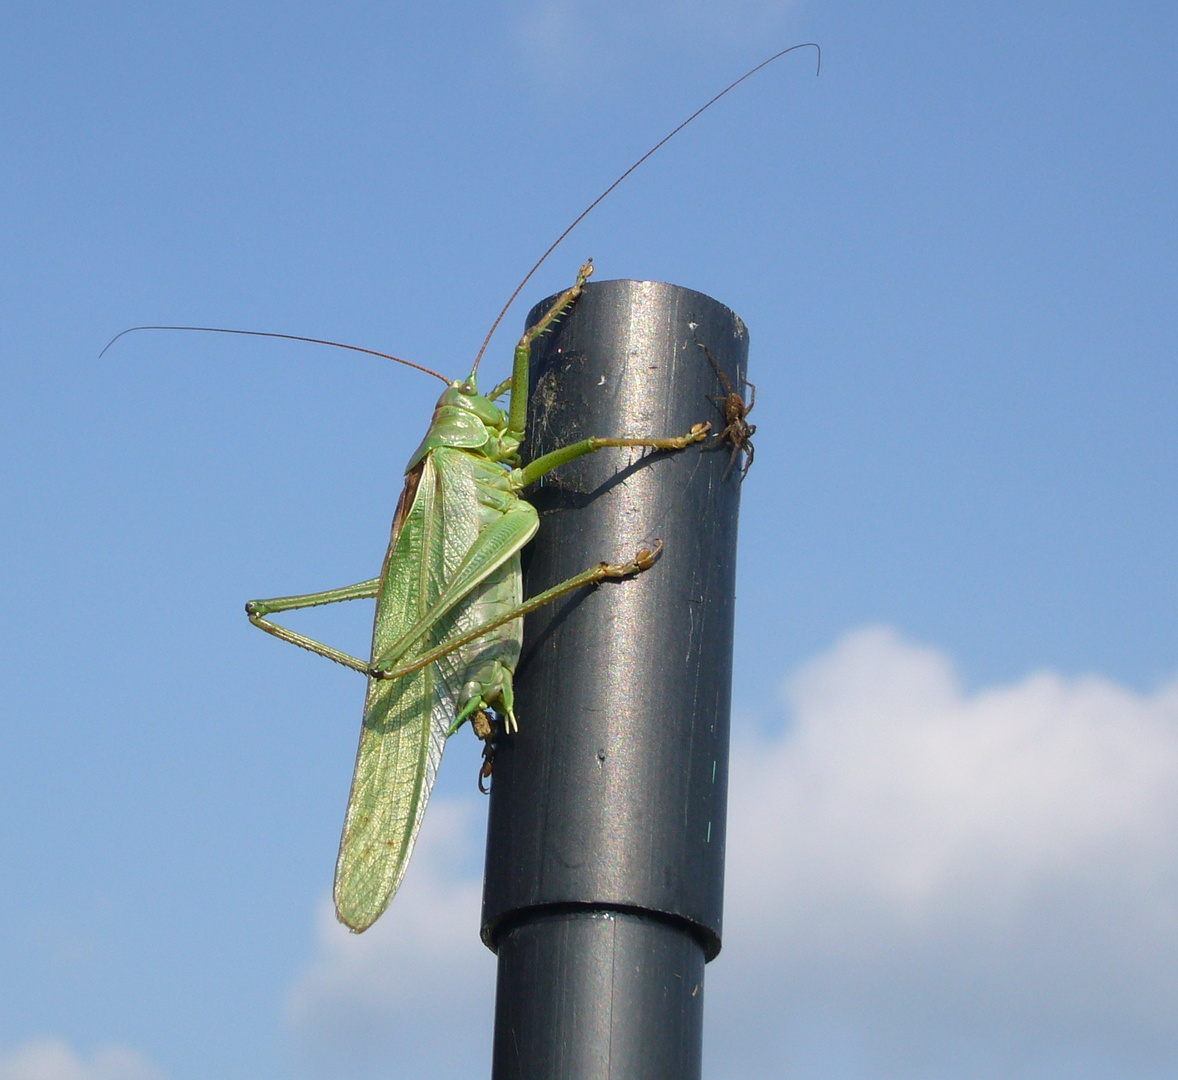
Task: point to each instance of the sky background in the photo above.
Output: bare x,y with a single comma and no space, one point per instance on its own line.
954,792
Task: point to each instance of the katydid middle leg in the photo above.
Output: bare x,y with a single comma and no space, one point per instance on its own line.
544,464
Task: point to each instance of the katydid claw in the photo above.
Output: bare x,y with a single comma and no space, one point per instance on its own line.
646,557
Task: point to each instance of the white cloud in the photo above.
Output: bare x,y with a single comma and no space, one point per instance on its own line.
416,991
49,1059
925,882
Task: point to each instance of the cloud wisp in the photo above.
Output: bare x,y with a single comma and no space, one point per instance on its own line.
51,1059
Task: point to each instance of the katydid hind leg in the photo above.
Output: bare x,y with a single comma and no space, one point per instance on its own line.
644,559
256,610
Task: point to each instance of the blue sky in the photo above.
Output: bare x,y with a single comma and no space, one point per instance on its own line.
955,775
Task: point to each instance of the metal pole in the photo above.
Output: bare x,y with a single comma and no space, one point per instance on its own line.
605,843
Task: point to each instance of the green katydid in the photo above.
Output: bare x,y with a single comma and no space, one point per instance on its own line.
449,598
449,615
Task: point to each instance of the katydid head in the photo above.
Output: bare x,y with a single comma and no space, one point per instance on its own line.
465,396
466,420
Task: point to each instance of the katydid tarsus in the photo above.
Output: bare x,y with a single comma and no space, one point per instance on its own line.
449,597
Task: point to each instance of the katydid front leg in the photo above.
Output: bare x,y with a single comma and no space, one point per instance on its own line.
517,420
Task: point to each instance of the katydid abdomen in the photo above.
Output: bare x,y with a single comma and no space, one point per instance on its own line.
479,673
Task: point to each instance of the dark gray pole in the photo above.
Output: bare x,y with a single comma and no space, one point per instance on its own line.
605,843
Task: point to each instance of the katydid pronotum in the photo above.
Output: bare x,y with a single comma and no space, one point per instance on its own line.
449,597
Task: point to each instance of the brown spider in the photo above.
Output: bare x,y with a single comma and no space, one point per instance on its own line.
738,430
